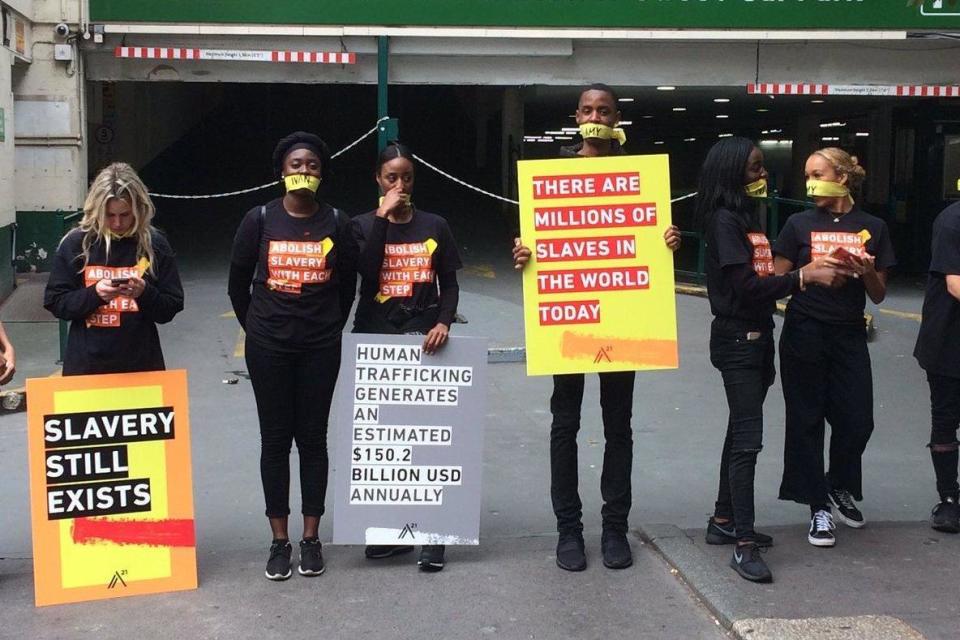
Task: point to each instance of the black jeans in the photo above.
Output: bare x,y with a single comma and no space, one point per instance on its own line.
826,375
746,366
945,419
293,392
616,403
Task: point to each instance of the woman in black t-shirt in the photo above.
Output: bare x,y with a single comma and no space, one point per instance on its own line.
823,347
292,283
743,291
114,278
408,267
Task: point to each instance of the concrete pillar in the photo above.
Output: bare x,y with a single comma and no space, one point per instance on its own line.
511,140
879,157
806,140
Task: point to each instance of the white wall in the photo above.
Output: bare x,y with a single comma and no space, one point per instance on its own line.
7,209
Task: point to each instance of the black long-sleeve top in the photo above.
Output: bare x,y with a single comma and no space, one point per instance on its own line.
293,280
119,336
408,273
741,283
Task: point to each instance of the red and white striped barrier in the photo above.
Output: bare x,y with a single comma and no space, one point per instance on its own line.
239,55
895,90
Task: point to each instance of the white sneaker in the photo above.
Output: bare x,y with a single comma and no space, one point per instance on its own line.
821,530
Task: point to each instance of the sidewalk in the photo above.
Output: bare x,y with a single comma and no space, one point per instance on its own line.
509,587
888,580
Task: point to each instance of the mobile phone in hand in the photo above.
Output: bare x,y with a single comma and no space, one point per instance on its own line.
119,282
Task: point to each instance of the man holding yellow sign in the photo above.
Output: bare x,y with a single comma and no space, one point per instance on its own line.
598,272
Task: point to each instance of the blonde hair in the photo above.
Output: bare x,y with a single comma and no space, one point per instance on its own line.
118,180
844,164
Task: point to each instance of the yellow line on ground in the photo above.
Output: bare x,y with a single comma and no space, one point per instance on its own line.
228,314
240,349
901,314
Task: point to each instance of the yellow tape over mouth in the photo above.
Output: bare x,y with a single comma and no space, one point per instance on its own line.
603,132
757,189
827,189
296,181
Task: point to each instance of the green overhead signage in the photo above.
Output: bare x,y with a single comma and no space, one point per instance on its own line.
937,15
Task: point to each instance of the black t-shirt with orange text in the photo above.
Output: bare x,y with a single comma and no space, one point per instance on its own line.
399,268
731,241
303,276
814,233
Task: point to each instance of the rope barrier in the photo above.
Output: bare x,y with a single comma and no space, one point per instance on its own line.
347,148
273,183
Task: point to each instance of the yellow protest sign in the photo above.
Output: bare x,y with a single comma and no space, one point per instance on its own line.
598,293
110,486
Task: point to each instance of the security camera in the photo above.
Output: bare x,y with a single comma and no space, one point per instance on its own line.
62,29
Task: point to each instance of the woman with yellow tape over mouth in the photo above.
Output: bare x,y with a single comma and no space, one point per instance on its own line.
114,278
408,267
824,360
292,283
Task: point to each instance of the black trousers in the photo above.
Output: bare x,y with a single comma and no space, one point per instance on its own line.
293,393
826,375
747,369
616,403
945,419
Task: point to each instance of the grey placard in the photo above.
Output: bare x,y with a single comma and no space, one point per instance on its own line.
408,450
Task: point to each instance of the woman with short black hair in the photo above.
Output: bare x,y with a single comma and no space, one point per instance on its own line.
292,283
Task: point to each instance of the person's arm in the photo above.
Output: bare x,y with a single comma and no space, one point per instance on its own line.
521,254
160,302
672,237
347,259
875,282
243,264
63,296
9,357
953,286
449,299
371,249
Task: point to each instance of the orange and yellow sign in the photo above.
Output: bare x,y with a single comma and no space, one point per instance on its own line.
598,292
110,486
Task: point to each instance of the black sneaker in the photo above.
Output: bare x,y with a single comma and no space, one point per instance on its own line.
278,566
748,562
311,558
726,534
821,530
431,558
846,509
570,552
616,550
380,551
946,516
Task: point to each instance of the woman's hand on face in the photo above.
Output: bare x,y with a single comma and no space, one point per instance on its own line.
672,237
394,201
521,254
436,338
107,291
134,287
